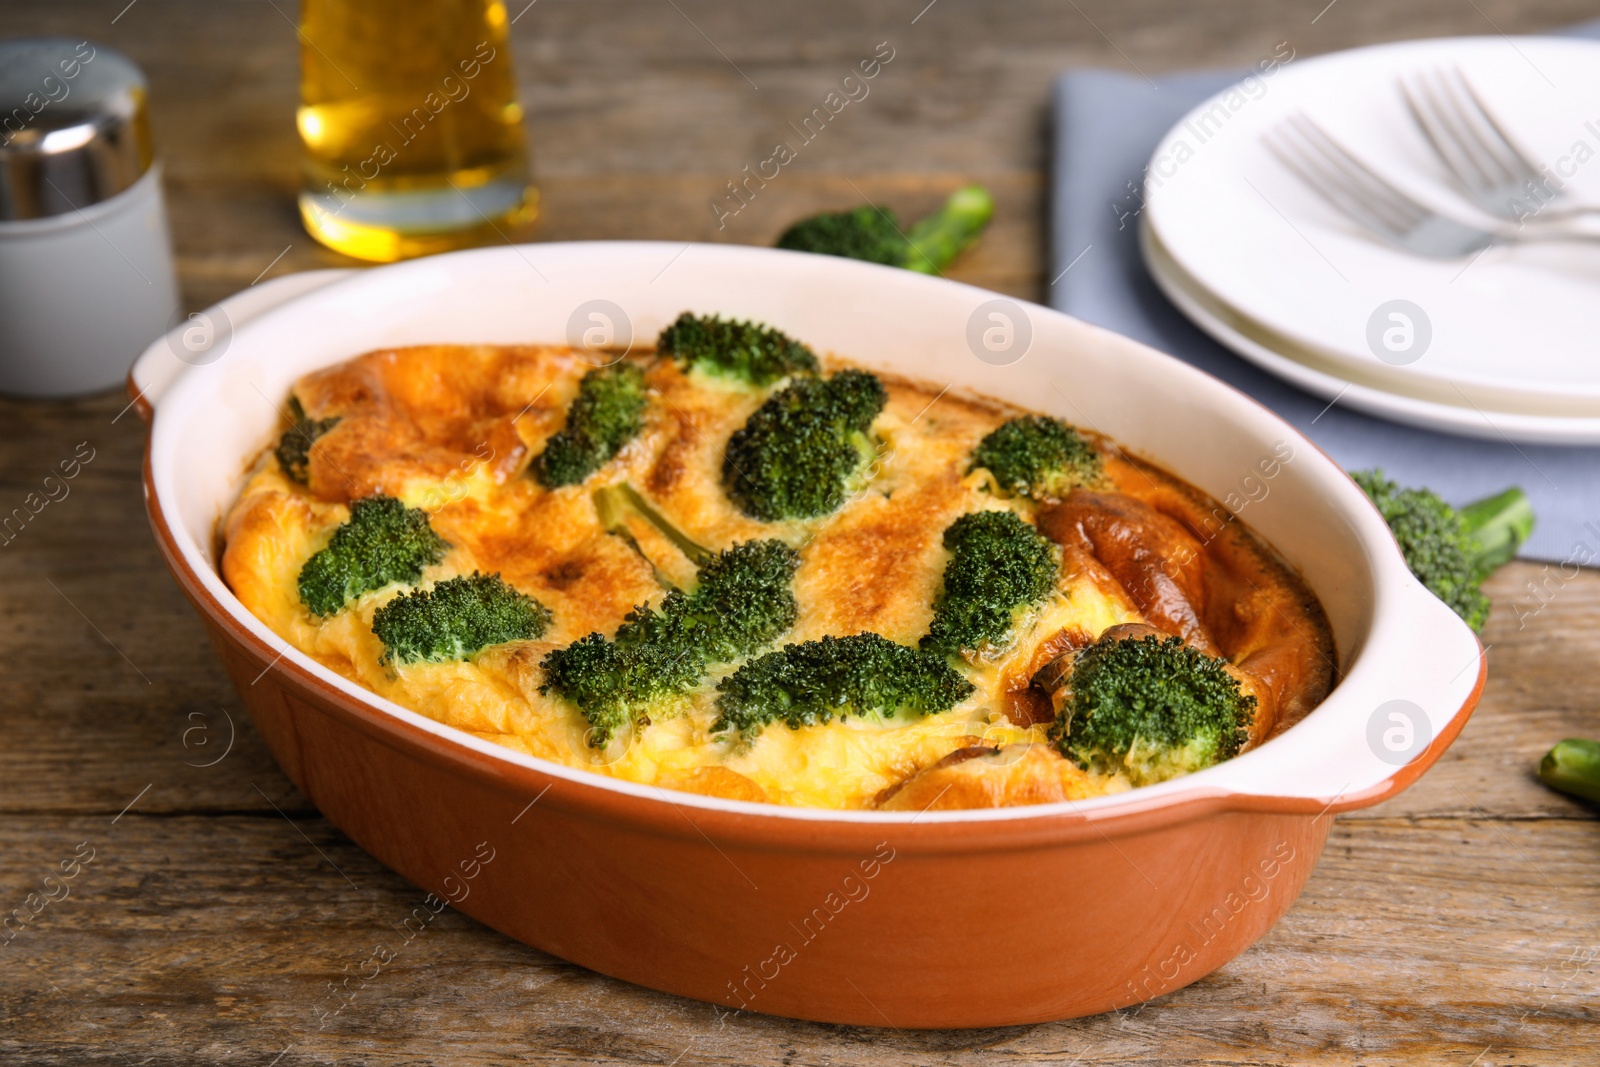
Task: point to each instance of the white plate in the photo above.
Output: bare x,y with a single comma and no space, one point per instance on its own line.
1512,332
1254,343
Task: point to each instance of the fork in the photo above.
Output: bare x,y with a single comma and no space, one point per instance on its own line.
1485,161
1367,198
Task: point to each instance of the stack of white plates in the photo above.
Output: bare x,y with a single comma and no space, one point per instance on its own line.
1505,345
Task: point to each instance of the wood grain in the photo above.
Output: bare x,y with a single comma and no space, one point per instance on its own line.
245,936
1456,924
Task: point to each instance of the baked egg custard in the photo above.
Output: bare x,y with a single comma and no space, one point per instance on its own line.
731,566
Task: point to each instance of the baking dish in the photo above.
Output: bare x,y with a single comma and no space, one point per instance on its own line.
938,919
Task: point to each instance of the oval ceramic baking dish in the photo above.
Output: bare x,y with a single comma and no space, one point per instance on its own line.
944,919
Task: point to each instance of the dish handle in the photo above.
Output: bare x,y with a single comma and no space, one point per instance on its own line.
203,338
1412,688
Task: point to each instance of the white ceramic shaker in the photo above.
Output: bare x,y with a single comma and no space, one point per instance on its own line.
86,278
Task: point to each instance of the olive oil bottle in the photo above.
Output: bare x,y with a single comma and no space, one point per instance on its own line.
411,128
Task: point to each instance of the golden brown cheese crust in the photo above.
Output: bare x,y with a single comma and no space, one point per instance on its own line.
451,430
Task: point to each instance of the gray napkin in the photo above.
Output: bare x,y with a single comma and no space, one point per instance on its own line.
1107,124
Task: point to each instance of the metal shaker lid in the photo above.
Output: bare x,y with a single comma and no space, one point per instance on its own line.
74,126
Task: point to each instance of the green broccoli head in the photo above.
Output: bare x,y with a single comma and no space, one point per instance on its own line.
457,618
741,603
382,542
868,233
1451,552
607,413
810,683
294,447
1150,708
873,234
605,682
999,568
743,351
797,454
1038,457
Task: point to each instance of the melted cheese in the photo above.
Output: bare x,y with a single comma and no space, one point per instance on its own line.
451,429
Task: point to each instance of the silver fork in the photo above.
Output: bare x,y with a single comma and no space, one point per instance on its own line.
1370,200
1486,162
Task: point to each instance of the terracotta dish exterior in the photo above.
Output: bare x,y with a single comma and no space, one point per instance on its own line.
939,919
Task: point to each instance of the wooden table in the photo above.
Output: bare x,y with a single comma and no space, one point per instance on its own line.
1456,924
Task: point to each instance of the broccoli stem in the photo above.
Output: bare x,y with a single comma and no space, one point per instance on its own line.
1497,525
1573,767
610,506
942,236
610,502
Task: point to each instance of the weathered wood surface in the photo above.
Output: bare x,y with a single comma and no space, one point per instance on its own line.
1457,924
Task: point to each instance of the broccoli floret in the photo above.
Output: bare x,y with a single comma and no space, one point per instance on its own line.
1452,552
867,232
607,413
810,683
457,618
1038,457
383,541
741,602
294,447
745,351
999,567
873,233
1150,708
606,682
795,457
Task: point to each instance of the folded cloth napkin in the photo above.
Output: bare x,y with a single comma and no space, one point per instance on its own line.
1107,125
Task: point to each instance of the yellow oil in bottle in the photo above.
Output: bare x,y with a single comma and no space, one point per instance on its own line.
411,127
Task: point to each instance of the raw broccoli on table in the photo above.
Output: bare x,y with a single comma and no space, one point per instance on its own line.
1452,551
382,542
797,454
1573,767
873,233
457,618
813,682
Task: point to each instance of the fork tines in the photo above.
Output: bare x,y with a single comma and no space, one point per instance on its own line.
1343,180
1482,156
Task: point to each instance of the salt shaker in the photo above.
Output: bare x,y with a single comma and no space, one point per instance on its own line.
86,278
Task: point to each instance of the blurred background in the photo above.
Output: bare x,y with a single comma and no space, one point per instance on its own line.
639,111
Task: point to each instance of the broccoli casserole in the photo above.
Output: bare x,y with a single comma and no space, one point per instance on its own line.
733,567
